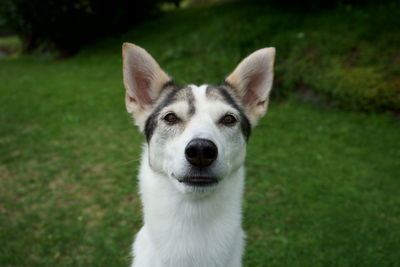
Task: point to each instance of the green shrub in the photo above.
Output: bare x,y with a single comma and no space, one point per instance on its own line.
346,56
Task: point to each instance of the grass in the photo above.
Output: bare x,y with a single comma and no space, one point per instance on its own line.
322,183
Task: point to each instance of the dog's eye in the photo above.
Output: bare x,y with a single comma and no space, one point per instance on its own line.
228,120
171,118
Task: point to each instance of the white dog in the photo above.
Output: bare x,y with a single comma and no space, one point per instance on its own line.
192,175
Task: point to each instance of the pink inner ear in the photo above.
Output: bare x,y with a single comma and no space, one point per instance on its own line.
249,98
253,88
143,85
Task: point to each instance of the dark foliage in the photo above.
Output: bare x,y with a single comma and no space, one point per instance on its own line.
68,24
314,5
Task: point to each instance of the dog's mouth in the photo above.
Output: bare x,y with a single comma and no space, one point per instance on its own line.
199,180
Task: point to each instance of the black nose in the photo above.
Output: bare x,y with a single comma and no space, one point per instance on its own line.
201,152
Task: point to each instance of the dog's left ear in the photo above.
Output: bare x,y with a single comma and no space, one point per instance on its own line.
252,82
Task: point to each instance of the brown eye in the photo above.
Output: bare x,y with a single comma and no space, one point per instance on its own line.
228,120
171,118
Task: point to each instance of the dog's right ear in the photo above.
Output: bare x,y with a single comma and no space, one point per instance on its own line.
252,82
143,80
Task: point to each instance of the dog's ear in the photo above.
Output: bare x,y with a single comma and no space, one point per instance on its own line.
143,80
252,82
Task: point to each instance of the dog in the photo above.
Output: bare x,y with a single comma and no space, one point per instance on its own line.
191,177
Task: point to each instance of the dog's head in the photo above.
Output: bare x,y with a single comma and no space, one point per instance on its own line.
196,135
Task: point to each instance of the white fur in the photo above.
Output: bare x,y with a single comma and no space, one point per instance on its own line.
189,229
183,226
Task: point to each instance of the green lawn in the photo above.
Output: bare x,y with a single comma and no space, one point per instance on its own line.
322,183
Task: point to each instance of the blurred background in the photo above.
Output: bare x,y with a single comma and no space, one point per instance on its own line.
323,167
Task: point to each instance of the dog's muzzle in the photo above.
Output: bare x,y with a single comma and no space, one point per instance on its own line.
200,153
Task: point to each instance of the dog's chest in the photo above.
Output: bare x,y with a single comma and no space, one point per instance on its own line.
201,243
181,231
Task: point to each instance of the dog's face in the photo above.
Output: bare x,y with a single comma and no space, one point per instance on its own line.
196,135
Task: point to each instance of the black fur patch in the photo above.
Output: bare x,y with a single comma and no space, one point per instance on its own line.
168,84
151,121
230,100
192,109
173,94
